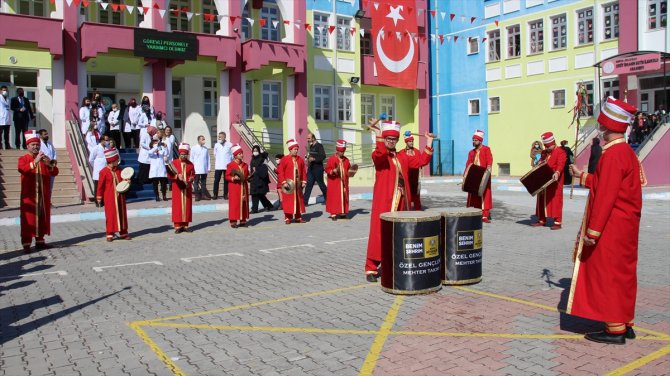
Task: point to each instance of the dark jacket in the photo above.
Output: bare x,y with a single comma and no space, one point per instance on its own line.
260,176
318,153
21,117
596,150
570,159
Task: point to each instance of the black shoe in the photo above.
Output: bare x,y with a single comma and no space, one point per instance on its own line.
225,197
186,229
333,217
630,333
41,246
216,197
371,278
164,197
178,230
254,211
158,199
604,337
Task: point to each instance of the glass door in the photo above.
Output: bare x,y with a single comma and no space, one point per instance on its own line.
177,106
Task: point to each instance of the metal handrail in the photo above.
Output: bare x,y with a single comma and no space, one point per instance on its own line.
81,154
649,138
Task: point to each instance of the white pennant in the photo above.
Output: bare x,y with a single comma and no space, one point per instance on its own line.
69,2
161,12
398,35
219,18
448,38
376,5
251,21
318,28
416,39
443,14
462,18
104,5
362,31
275,23
189,15
130,8
420,11
432,37
297,26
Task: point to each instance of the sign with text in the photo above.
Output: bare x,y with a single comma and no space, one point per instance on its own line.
633,64
161,45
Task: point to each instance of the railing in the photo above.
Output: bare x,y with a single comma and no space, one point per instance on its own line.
250,140
79,156
649,138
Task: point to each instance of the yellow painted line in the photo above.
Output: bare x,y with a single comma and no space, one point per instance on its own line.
263,328
653,332
250,305
640,362
380,339
172,366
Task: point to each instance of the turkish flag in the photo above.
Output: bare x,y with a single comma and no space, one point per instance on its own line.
396,53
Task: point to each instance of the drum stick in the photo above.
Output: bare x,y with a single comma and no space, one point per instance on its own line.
430,134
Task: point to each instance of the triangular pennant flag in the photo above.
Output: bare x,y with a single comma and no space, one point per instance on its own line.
443,14
308,26
331,28
455,38
352,31
184,9
189,15
104,6
130,8
275,23
287,22
462,18
376,5
76,2
175,12
161,12
472,19
398,35
362,32
419,12
297,26
496,21
115,7
156,6
52,2
442,38
451,17
85,3
251,21
432,12
432,37
232,19
448,38
483,39
145,10
262,22
121,6
69,2
416,39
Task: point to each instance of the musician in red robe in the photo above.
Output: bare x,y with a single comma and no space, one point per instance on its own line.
550,200
481,155
237,175
182,175
36,170
291,167
116,214
337,174
604,281
413,173
391,191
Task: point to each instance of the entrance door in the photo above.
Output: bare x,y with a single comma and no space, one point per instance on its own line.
177,106
647,101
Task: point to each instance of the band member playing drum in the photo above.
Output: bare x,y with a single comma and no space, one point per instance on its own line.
237,175
36,170
391,190
292,175
413,177
337,172
116,216
182,174
550,201
481,155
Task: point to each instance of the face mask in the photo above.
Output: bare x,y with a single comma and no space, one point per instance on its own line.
255,154
46,138
277,161
4,93
537,146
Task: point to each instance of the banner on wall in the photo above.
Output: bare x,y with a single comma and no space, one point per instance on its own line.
162,45
632,64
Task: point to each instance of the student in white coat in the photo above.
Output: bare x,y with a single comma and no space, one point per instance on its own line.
92,138
157,171
146,135
115,119
97,161
200,159
85,114
5,118
134,114
222,156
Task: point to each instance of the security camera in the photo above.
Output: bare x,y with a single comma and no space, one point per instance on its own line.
236,29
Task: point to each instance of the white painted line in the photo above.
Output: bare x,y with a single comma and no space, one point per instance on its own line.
287,247
189,259
345,240
99,268
59,272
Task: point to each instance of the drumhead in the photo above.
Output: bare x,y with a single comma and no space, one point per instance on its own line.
123,186
127,173
410,216
460,212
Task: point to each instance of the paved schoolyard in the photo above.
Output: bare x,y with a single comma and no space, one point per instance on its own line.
276,299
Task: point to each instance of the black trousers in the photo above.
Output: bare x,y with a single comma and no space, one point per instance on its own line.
200,184
136,137
127,140
4,135
217,178
314,174
143,175
116,136
263,200
163,184
19,129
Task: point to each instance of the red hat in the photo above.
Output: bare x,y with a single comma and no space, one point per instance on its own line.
184,148
548,139
31,136
341,145
616,115
292,144
111,155
152,130
391,128
409,137
237,149
479,135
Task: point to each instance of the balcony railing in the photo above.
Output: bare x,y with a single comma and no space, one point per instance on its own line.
258,53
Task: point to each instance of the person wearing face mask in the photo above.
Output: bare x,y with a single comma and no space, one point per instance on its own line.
23,114
97,160
550,200
97,103
134,114
259,180
92,138
48,149
535,153
480,155
5,120
114,121
85,114
97,121
146,106
200,159
222,156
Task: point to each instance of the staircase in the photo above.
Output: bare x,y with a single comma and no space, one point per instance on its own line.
137,192
64,192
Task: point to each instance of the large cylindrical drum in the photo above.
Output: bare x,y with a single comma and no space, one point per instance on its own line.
410,252
461,246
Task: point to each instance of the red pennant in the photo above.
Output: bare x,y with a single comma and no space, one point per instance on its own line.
175,12
331,28
76,2
122,6
52,2
184,9
85,3
145,9
432,12
115,7
308,26
286,22
156,6
496,21
262,22
451,17
441,38
455,38
472,19
232,19
483,39
409,10
352,31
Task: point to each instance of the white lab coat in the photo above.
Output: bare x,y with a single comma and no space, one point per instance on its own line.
91,141
114,121
222,155
84,118
169,145
48,149
157,162
97,160
200,159
5,119
134,114
145,146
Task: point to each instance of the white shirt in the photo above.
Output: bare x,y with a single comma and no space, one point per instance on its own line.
143,121
48,149
113,119
85,118
200,159
222,155
169,145
4,111
127,128
134,114
157,162
145,144
91,142
100,125
97,160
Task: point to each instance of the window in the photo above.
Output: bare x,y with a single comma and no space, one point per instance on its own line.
588,109
140,13
558,98
99,81
32,8
210,97
367,107
559,32
270,13
658,14
513,41
344,33
248,96
180,21
320,30
611,21
494,104
246,26
271,98
473,45
209,27
473,106
388,106
494,45
611,88
585,26
322,99
536,37
366,44
108,16
344,105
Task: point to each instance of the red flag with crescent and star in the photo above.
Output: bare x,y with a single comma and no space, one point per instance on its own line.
396,53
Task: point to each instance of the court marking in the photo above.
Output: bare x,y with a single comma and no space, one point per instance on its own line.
269,250
101,268
345,240
169,363
59,272
189,259
640,362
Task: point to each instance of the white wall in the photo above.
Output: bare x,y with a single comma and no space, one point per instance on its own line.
194,123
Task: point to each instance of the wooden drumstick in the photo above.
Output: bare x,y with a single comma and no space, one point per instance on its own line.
429,134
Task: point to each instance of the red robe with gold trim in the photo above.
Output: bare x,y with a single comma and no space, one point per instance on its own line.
550,201
604,281
337,173
182,192
35,198
413,178
292,168
483,157
116,215
390,193
238,192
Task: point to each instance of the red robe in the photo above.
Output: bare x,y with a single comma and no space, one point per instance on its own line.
388,194
116,215
337,173
413,178
292,168
238,192
35,198
182,193
550,201
604,281
481,157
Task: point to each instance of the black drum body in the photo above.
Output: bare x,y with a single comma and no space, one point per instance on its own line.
410,252
461,246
